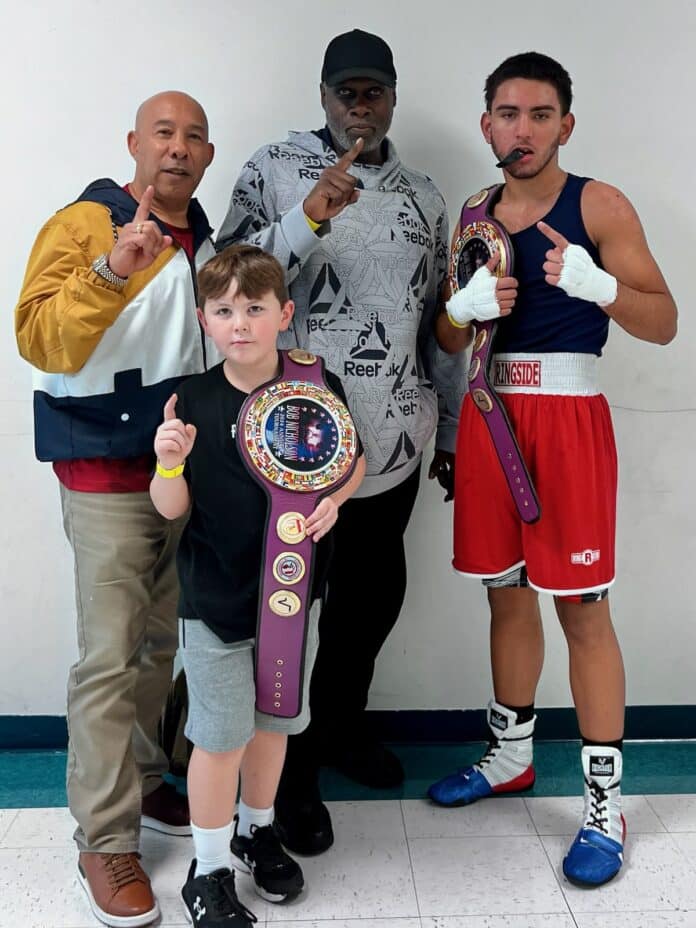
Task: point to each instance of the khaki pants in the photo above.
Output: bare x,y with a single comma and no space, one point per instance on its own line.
126,594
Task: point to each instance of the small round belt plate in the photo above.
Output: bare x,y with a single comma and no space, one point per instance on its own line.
290,527
474,368
482,400
288,568
284,602
300,356
476,199
480,340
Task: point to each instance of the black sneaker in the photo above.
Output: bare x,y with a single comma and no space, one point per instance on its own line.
277,876
303,824
211,901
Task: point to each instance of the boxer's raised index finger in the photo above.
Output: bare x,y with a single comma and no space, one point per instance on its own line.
559,240
349,157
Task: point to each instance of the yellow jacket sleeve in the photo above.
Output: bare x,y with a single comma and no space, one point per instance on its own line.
65,307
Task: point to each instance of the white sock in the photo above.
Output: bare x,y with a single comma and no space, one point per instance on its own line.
212,848
249,817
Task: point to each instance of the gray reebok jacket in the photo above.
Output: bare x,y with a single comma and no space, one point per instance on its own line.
365,288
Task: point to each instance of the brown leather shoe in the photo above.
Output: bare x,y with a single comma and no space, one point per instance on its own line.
118,889
167,811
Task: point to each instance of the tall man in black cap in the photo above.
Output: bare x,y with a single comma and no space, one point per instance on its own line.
364,242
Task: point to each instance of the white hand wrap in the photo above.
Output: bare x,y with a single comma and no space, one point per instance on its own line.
580,277
476,301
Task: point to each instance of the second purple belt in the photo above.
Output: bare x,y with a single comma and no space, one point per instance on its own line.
480,235
299,443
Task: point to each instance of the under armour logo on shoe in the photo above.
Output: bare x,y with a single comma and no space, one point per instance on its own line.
602,766
198,909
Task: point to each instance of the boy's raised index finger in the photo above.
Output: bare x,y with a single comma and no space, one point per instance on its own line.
143,210
559,240
349,157
170,408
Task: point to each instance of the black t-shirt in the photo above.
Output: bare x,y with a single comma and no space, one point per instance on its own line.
219,557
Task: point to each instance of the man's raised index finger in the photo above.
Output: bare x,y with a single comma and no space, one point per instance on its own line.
349,157
559,240
143,210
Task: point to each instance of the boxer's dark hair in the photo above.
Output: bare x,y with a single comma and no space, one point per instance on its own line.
255,271
531,66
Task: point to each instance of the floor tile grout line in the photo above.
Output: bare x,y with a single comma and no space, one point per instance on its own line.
11,822
657,814
682,853
518,914
505,914
479,834
351,918
530,816
410,860
558,881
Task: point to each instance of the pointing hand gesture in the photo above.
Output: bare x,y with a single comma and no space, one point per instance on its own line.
570,267
174,440
553,266
139,241
335,188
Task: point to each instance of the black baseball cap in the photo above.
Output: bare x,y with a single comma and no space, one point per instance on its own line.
358,54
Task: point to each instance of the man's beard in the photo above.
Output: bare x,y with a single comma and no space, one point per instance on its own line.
344,141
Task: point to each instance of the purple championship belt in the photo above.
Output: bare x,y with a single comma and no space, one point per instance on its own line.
479,237
298,441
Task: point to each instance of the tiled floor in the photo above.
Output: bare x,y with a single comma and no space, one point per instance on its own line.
400,864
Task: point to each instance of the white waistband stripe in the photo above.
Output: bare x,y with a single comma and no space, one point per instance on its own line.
560,373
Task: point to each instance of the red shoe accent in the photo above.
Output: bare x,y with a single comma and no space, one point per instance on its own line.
523,781
623,829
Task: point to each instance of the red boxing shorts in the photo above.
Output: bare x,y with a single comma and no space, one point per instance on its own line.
563,427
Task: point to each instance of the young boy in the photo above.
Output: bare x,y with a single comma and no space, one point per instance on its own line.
244,306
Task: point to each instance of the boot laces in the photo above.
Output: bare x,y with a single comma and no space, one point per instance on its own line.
596,816
490,753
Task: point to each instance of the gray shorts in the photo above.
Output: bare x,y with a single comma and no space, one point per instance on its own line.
222,693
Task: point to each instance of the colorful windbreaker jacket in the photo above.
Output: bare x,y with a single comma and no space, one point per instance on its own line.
106,360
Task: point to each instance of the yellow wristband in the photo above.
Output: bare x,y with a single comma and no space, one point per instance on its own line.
457,325
171,472
311,223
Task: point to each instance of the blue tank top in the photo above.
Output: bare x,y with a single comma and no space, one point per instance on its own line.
545,318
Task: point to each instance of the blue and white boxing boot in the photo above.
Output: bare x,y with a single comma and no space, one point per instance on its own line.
506,767
596,855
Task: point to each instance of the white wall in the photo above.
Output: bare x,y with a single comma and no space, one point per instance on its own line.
72,75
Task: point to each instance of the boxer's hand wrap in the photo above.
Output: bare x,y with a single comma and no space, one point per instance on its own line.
581,278
476,301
